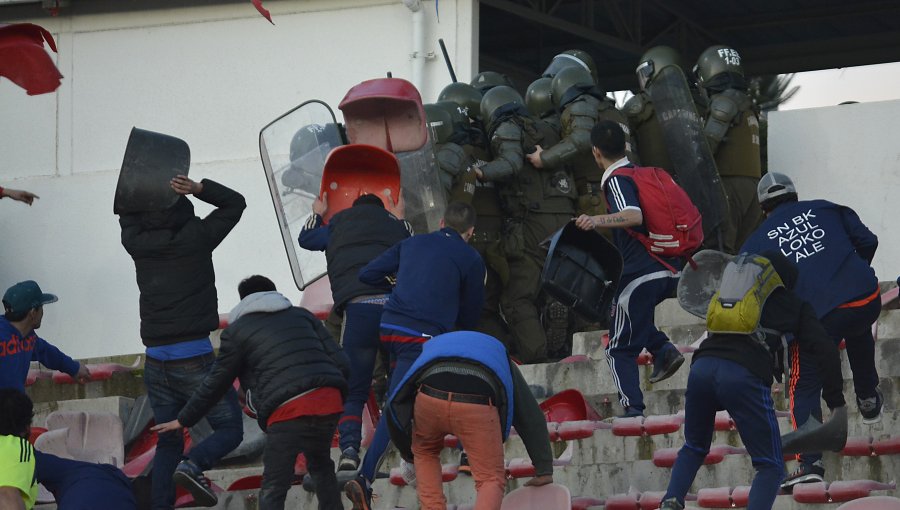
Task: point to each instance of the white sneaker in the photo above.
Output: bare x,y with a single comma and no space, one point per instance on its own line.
408,472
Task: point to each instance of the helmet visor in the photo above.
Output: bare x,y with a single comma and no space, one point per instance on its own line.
644,73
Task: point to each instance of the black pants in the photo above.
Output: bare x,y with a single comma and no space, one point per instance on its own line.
312,436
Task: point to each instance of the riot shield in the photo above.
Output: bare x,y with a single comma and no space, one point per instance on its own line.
388,113
582,271
293,149
682,131
354,170
696,287
151,161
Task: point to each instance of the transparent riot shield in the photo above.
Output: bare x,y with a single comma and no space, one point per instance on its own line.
388,113
682,130
293,149
697,286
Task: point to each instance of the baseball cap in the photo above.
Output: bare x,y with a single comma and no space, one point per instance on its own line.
773,185
24,296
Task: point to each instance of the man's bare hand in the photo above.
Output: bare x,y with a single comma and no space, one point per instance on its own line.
535,157
539,481
397,209
20,195
185,186
320,205
84,375
585,222
167,427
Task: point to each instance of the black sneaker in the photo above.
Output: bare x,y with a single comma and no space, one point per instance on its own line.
349,460
666,364
871,408
671,504
805,473
359,494
190,477
464,466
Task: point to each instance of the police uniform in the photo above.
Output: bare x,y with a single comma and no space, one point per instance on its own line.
648,143
732,129
536,204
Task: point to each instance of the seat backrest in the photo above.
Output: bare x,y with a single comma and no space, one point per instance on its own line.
547,497
872,503
90,436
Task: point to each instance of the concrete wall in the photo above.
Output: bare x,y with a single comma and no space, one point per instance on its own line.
211,75
849,155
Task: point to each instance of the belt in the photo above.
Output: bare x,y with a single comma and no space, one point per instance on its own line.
463,398
198,360
373,299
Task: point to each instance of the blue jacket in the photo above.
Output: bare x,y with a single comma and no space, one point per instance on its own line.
79,485
440,283
830,246
17,353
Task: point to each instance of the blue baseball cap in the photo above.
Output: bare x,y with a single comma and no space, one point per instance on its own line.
24,296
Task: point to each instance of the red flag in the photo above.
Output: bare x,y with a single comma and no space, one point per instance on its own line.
262,10
24,61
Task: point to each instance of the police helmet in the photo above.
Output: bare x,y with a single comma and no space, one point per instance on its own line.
486,80
440,124
457,115
497,98
571,58
564,80
773,185
466,96
537,97
717,60
653,61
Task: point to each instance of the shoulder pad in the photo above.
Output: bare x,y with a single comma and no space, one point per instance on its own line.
584,106
452,158
723,107
508,130
634,106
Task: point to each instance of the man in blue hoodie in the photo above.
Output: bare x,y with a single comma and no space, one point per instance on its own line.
23,304
440,288
833,252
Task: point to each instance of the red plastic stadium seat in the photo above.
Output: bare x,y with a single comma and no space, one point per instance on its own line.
649,426
579,429
246,483
634,501
568,405
547,497
858,447
575,358
450,441
645,358
34,374
835,492
99,372
584,502
890,446
872,503
890,295
665,457
449,472
724,421
223,322
523,468
35,433
300,467
723,497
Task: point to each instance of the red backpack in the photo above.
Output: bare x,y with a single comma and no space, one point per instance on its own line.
673,223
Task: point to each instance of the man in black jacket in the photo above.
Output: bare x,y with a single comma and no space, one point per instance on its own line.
352,238
172,253
735,372
295,377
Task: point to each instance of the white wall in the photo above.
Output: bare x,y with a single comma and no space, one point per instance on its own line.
212,76
849,155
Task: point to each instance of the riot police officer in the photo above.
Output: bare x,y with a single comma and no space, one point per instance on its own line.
582,104
732,129
486,80
536,203
572,58
540,104
457,178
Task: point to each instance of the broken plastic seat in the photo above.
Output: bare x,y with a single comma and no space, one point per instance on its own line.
635,501
585,502
839,491
85,436
869,447
568,405
648,426
34,374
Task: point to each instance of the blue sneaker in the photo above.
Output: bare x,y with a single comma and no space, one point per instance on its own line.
190,477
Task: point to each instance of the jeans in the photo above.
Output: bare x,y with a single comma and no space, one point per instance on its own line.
404,351
170,385
360,342
715,384
310,435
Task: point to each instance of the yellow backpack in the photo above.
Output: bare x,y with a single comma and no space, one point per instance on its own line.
736,308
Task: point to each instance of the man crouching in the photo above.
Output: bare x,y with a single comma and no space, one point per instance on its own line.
295,375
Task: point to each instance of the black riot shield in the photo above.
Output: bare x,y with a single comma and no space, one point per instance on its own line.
151,161
813,436
682,131
582,271
293,149
697,286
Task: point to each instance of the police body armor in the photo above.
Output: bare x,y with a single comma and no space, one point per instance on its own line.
457,179
733,133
